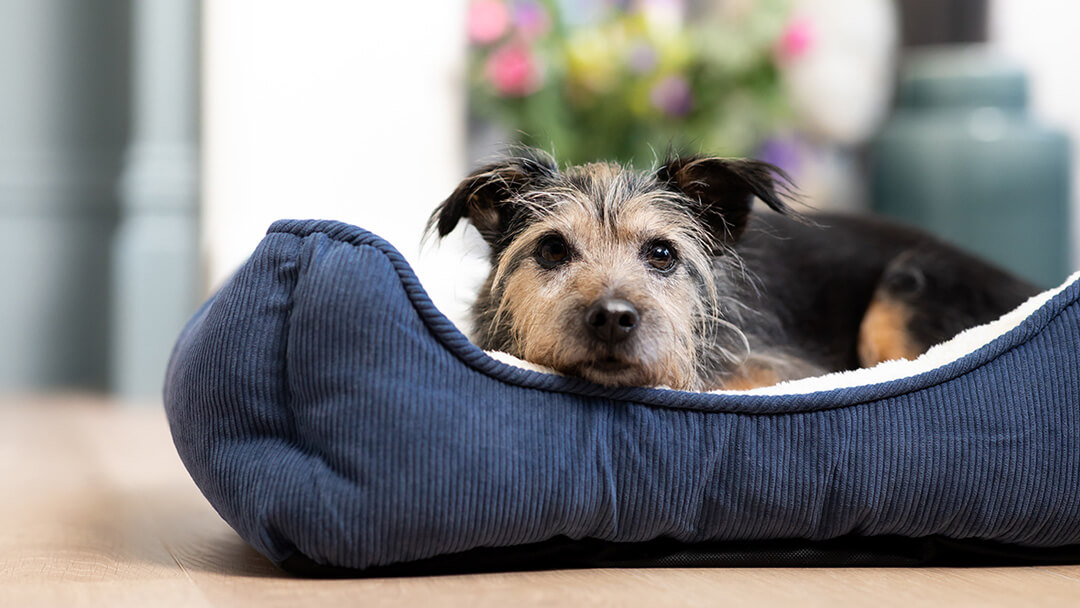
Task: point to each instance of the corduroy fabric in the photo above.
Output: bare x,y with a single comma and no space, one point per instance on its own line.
325,407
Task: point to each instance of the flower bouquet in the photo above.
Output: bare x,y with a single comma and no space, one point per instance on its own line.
627,80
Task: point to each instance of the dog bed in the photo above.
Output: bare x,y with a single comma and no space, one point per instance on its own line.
342,425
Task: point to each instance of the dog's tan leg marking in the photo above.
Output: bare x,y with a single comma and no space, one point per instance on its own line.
884,335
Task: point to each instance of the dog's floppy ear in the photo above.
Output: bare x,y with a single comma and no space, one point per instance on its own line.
488,197
725,188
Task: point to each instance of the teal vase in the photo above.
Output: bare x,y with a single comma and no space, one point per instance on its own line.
963,158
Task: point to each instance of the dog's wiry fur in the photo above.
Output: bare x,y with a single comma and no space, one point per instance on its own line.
714,319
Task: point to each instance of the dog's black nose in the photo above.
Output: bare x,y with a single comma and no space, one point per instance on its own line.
611,319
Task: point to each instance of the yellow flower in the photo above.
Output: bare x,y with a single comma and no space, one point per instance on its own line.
594,58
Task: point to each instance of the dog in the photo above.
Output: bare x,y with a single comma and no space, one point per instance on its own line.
668,278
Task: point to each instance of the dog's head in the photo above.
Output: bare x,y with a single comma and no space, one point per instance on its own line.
615,276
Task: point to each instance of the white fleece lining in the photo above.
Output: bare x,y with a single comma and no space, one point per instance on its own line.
958,347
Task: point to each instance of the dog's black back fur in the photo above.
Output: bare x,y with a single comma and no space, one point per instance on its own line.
816,279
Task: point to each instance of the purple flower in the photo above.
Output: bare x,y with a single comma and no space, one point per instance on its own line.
642,57
531,18
672,96
783,152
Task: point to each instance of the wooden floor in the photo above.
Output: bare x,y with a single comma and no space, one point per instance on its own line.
97,510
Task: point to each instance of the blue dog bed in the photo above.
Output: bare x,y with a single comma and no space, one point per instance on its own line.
340,423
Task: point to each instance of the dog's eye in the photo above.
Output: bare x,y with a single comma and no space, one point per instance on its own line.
552,251
661,255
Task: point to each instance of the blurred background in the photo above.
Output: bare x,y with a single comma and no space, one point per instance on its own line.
146,145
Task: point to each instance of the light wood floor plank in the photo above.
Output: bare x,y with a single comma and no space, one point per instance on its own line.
97,510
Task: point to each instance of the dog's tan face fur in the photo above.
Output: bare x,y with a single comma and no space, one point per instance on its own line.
608,227
621,235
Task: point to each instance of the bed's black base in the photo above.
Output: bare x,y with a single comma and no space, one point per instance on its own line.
848,551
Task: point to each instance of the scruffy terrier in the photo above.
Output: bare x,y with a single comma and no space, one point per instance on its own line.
666,278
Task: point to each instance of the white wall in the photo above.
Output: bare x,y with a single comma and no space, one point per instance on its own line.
336,109
1042,35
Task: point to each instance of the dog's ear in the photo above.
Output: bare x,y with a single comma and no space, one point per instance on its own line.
725,189
490,197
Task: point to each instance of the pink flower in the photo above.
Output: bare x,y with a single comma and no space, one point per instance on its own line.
513,70
487,21
797,39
